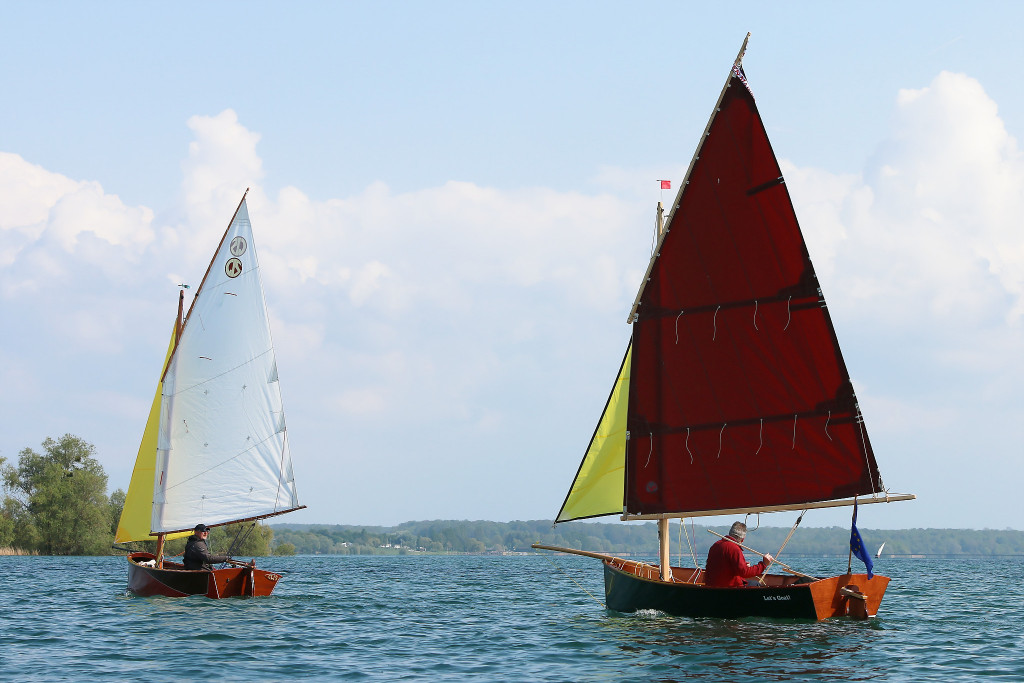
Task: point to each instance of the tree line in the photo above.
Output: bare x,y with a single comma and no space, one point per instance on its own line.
638,539
56,503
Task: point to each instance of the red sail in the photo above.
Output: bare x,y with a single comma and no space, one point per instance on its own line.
739,395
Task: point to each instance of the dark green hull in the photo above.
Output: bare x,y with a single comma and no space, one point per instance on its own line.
631,586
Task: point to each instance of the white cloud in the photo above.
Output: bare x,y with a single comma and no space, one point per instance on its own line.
471,314
47,209
922,261
221,159
948,201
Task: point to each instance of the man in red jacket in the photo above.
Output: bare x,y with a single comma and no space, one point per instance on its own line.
726,566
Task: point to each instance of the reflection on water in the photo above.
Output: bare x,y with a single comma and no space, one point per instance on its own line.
743,649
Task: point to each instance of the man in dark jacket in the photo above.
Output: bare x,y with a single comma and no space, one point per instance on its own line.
726,565
197,555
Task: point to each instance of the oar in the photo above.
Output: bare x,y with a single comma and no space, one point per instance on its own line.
757,552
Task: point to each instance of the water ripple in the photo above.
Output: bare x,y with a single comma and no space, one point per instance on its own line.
450,618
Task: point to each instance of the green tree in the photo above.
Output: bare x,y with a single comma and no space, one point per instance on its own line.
58,499
7,510
284,549
116,506
253,539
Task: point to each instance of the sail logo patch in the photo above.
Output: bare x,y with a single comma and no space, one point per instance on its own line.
233,268
237,246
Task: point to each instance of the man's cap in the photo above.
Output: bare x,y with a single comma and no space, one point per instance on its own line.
201,527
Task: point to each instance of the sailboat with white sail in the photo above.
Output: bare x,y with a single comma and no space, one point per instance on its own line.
733,397
215,448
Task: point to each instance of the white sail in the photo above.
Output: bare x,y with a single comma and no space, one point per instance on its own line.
223,448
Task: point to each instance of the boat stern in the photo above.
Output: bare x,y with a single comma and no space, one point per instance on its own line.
852,595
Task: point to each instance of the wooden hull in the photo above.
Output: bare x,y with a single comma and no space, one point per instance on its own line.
630,586
174,581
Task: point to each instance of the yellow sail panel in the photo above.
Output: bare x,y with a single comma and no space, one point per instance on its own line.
600,481
138,503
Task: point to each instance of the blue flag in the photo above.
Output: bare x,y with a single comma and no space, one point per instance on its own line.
857,545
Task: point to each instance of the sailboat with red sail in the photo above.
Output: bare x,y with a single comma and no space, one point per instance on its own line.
733,396
215,448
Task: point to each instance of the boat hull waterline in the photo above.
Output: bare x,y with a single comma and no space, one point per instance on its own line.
174,581
631,586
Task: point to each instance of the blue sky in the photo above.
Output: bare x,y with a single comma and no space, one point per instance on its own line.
453,206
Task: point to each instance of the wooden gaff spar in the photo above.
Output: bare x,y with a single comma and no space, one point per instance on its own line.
733,396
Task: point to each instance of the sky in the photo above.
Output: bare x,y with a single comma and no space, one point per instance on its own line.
453,204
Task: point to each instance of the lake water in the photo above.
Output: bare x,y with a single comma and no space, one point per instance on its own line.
516,618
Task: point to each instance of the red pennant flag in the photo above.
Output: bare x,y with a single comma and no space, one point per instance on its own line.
666,184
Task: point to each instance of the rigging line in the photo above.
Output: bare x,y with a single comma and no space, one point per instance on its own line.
722,431
574,581
789,312
859,421
688,445
714,320
679,542
755,315
794,433
650,452
280,474
236,544
760,435
677,326
693,554
783,546
826,425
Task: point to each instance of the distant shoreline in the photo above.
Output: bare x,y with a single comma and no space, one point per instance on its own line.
632,540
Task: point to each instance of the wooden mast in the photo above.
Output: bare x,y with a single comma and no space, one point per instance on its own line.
664,554
177,336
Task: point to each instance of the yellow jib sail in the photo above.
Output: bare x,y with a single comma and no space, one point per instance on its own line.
138,503
598,487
